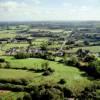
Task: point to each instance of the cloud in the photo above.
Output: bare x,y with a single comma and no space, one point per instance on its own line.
36,2
36,10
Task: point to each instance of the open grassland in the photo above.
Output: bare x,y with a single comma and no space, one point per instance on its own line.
75,79
15,74
91,48
7,35
11,45
41,39
1,52
46,30
8,95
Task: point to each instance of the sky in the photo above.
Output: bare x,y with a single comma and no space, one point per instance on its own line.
49,10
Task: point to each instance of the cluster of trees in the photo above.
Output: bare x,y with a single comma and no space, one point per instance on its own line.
15,81
47,70
22,55
91,92
85,61
2,60
53,92
41,92
94,68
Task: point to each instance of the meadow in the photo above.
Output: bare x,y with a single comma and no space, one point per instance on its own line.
25,68
93,49
8,95
75,78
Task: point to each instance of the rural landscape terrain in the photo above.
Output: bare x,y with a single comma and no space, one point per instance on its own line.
50,60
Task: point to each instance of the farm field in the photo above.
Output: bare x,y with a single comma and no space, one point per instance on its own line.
7,35
91,48
73,76
8,95
40,60
11,45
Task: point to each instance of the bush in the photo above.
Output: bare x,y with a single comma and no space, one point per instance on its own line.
45,65
89,58
62,81
7,65
51,70
89,93
27,97
46,73
22,55
12,87
47,70
67,92
2,60
15,81
47,93
72,61
94,68
61,61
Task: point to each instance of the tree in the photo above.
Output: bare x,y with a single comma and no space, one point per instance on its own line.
89,58
94,68
82,53
86,42
30,42
44,46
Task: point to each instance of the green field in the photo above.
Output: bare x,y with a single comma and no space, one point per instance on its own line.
91,48
8,95
16,72
74,79
7,35
11,45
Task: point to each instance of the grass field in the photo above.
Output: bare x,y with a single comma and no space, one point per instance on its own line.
91,48
7,35
8,95
74,79
46,30
15,74
11,45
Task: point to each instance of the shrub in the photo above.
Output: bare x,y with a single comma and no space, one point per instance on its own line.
11,87
51,70
89,58
46,73
47,93
22,55
86,43
47,70
15,81
61,61
72,61
89,93
7,65
94,68
62,81
67,92
2,60
27,97
45,65
50,57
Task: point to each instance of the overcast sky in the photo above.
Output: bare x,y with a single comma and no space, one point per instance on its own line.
44,10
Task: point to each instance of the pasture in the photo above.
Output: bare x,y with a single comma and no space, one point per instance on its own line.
75,79
93,49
